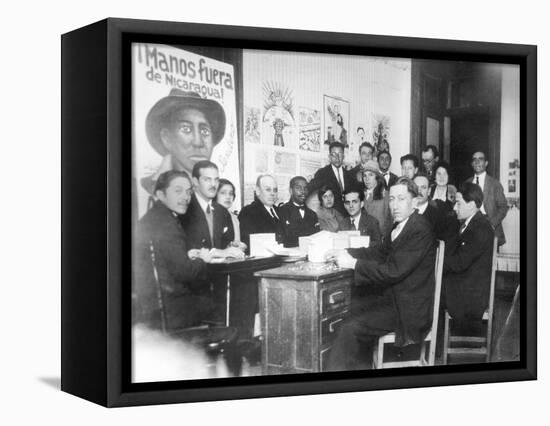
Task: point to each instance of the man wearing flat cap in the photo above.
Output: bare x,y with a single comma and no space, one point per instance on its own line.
184,129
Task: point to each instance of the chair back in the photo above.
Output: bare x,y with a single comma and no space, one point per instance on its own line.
490,308
440,254
158,288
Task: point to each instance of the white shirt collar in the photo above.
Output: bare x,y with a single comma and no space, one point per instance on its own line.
203,203
399,228
467,221
338,171
269,210
422,208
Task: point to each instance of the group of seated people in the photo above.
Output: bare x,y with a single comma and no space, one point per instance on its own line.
192,221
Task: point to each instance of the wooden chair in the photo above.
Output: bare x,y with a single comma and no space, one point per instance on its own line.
215,341
431,338
482,343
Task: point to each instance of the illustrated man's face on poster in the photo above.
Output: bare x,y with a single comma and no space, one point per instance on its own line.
188,138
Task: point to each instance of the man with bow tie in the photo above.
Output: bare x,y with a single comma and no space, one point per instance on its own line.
384,162
398,277
297,219
261,216
467,266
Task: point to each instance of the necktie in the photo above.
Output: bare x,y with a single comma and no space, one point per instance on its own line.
273,213
462,227
477,180
353,223
210,221
340,180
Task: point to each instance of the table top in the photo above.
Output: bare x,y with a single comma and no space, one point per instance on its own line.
304,270
254,263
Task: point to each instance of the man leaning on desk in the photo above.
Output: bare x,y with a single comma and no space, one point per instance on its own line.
398,277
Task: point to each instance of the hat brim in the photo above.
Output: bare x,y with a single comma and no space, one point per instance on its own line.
211,109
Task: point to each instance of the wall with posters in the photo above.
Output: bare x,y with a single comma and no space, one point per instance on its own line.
295,102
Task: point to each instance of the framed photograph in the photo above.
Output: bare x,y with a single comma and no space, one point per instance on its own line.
272,212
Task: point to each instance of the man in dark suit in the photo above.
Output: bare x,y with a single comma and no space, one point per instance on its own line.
359,219
366,152
495,205
467,267
430,158
400,272
261,216
384,162
175,298
444,223
334,175
207,224
297,219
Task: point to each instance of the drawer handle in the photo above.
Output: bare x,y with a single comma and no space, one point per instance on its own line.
336,297
332,324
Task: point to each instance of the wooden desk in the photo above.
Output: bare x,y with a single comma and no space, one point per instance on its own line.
301,307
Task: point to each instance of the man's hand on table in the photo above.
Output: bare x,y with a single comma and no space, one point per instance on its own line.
234,252
342,258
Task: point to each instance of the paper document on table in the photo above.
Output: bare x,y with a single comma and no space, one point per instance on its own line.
259,244
358,241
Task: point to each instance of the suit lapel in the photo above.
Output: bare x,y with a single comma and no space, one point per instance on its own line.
200,219
395,243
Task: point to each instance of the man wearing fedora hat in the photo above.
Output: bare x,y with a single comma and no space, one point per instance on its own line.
184,129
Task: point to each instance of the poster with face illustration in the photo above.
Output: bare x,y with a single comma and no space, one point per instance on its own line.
183,111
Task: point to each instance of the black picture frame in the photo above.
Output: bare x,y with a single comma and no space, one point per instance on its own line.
96,227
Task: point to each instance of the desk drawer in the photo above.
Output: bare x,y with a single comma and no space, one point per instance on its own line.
331,326
335,298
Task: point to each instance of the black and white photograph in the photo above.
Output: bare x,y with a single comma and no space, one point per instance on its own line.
389,239
272,214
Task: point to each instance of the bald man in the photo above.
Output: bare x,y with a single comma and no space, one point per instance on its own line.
261,216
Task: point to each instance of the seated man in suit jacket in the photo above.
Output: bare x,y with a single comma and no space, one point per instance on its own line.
297,219
467,267
208,224
403,268
359,219
175,298
443,221
261,216
334,175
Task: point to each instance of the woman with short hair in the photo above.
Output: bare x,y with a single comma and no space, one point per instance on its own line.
330,219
